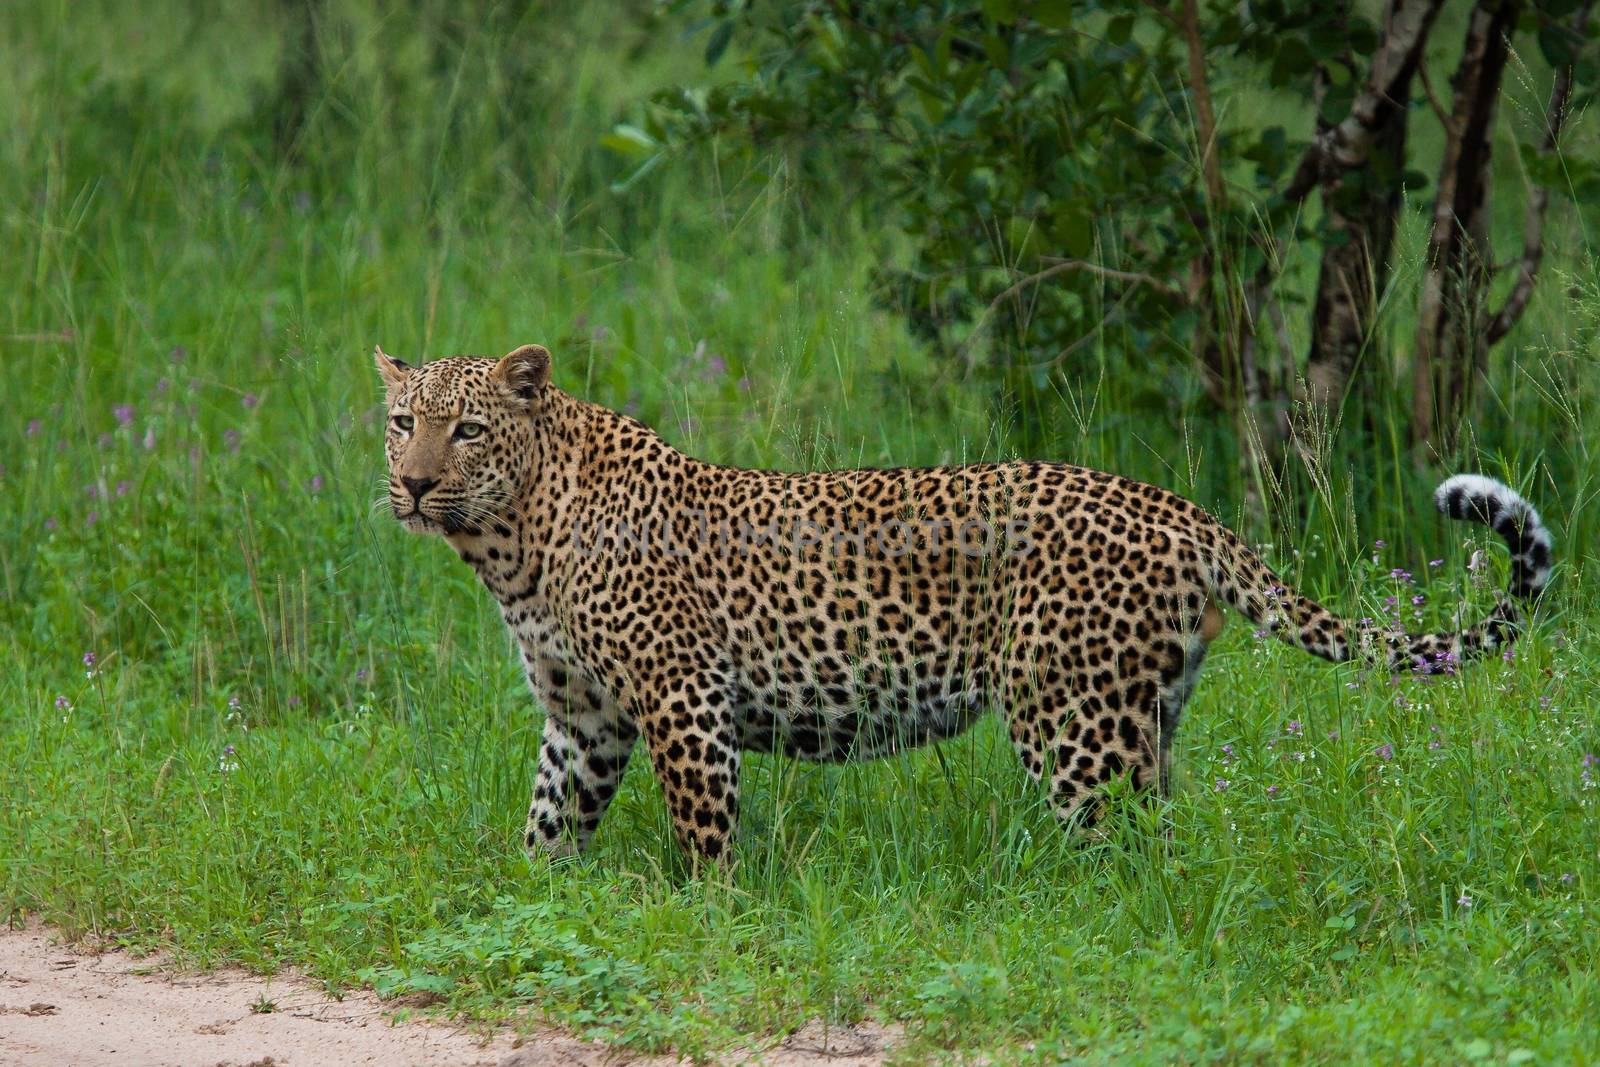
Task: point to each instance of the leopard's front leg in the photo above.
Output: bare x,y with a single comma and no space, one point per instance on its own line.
689,729
582,756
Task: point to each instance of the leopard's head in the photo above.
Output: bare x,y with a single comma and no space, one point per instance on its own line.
461,437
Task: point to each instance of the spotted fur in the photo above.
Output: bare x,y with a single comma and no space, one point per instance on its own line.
1083,624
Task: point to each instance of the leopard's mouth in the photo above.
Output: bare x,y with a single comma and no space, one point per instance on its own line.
415,520
418,521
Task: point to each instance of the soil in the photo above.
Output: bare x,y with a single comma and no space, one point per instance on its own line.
61,1006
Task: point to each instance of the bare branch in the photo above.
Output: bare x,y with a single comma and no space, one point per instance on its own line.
1440,112
1538,198
1133,279
1346,145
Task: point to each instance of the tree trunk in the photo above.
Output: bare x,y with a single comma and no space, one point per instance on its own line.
1361,209
1452,322
1360,170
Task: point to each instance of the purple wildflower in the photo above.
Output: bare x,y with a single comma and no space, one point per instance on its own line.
1465,899
105,441
294,702
123,487
177,354
233,702
1590,759
34,426
124,414
1436,563
316,483
1272,790
162,385
90,659
1222,785
250,400
1379,543
1384,752
1418,599
362,674
227,750
716,367
231,439
50,523
63,704
745,384
1295,728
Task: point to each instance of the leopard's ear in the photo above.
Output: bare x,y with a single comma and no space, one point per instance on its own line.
393,370
523,372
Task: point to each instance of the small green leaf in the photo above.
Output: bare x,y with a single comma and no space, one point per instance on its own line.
1003,12
1056,14
626,140
718,43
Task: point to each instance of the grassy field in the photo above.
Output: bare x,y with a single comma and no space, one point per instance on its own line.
243,715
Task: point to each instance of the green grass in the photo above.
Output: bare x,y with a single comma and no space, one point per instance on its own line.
305,739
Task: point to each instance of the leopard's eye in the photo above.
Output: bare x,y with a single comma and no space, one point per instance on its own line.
468,430
404,422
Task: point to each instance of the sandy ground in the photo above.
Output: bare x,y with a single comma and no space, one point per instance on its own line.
60,1006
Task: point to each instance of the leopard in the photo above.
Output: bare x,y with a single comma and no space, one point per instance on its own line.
843,615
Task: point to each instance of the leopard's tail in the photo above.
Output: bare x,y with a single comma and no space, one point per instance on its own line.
1240,579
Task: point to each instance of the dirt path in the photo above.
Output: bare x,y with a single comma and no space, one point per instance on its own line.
61,1007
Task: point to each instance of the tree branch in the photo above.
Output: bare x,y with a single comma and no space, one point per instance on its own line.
1440,112
1132,277
1134,280
1539,197
1062,266
1347,144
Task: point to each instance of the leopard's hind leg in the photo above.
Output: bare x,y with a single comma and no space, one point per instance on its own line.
1080,718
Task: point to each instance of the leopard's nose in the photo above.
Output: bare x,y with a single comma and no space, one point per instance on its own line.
418,487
